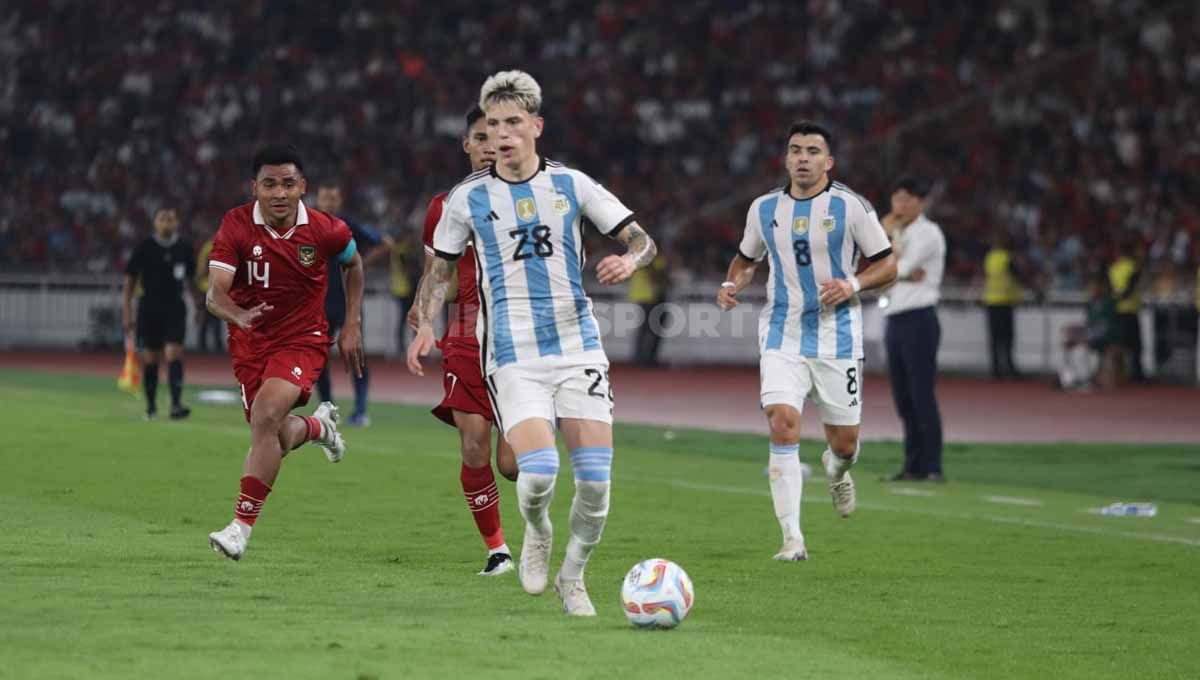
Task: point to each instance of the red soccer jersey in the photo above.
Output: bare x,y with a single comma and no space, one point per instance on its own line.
460,334
288,271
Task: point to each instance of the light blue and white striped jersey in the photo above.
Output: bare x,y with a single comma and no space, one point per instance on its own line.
529,256
806,243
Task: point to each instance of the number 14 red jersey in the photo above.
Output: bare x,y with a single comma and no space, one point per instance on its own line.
285,270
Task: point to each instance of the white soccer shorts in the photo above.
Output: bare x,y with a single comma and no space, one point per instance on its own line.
553,387
834,384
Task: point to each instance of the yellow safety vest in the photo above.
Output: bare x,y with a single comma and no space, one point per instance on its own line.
401,284
1000,287
642,286
202,266
1120,275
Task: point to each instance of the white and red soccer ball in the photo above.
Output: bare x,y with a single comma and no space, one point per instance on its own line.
657,593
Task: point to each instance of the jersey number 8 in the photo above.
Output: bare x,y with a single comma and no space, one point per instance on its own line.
803,254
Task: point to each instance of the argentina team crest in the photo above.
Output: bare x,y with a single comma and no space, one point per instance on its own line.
526,209
308,255
828,223
561,205
800,225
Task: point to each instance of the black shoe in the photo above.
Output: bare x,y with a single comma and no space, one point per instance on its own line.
498,563
179,412
902,477
151,414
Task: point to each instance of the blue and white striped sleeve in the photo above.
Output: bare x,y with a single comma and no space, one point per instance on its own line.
753,247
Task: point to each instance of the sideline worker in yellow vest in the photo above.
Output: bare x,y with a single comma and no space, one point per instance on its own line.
1124,276
1002,292
647,289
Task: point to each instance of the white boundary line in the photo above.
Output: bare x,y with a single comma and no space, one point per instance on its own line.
1013,500
1038,524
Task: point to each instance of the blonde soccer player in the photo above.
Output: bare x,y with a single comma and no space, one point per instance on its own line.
541,354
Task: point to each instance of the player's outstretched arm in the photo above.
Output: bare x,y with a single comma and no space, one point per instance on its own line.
881,273
640,250
350,339
740,274
222,307
431,295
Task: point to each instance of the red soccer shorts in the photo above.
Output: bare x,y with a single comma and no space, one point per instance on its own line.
299,364
465,391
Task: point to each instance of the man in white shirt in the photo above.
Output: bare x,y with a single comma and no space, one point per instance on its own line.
913,333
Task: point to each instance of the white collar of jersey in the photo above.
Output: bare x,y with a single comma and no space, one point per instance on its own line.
301,218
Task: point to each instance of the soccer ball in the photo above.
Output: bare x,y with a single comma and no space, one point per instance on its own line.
657,593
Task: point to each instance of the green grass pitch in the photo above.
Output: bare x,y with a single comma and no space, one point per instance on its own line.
366,569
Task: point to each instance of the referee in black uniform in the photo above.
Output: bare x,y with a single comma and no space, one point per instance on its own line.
163,264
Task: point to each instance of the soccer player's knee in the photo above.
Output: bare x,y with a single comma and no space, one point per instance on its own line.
844,444
508,468
476,451
267,417
784,423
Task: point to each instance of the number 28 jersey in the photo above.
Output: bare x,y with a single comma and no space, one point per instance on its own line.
285,270
528,245
808,242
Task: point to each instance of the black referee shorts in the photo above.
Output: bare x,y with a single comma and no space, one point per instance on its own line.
158,325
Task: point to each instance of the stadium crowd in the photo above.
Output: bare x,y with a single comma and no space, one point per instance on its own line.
1070,130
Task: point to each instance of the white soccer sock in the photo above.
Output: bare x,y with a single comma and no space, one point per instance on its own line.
589,509
535,487
838,466
787,487
502,548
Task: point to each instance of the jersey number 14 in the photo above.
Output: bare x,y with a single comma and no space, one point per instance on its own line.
253,274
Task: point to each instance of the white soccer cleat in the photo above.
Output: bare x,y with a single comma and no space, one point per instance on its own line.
230,541
574,597
331,443
842,490
498,563
535,561
792,551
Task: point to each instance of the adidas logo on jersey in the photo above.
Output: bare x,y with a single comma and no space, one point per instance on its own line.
491,217
854,401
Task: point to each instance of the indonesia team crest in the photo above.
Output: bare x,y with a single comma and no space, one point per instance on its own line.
800,225
526,209
308,255
828,223
561,205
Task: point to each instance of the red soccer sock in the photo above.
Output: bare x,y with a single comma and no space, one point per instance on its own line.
315,429
483,498
250,501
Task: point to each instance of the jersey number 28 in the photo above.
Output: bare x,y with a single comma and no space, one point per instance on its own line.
542,247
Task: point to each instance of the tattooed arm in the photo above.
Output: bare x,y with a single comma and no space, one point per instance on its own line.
639,252
431,295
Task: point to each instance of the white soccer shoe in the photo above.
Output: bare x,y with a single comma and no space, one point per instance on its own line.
792,551
841,490
535,561
332,443
230,541
497,564
574,597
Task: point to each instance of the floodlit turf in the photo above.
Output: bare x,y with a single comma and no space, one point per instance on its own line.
366,569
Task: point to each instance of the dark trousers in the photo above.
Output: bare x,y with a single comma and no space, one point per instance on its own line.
912,340
361,384
1000,340
1130,330
212,330
645,348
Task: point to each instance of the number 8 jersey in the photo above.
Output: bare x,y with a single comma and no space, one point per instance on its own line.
806,243
528,245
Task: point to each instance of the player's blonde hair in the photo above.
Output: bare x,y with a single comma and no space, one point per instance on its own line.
511,86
